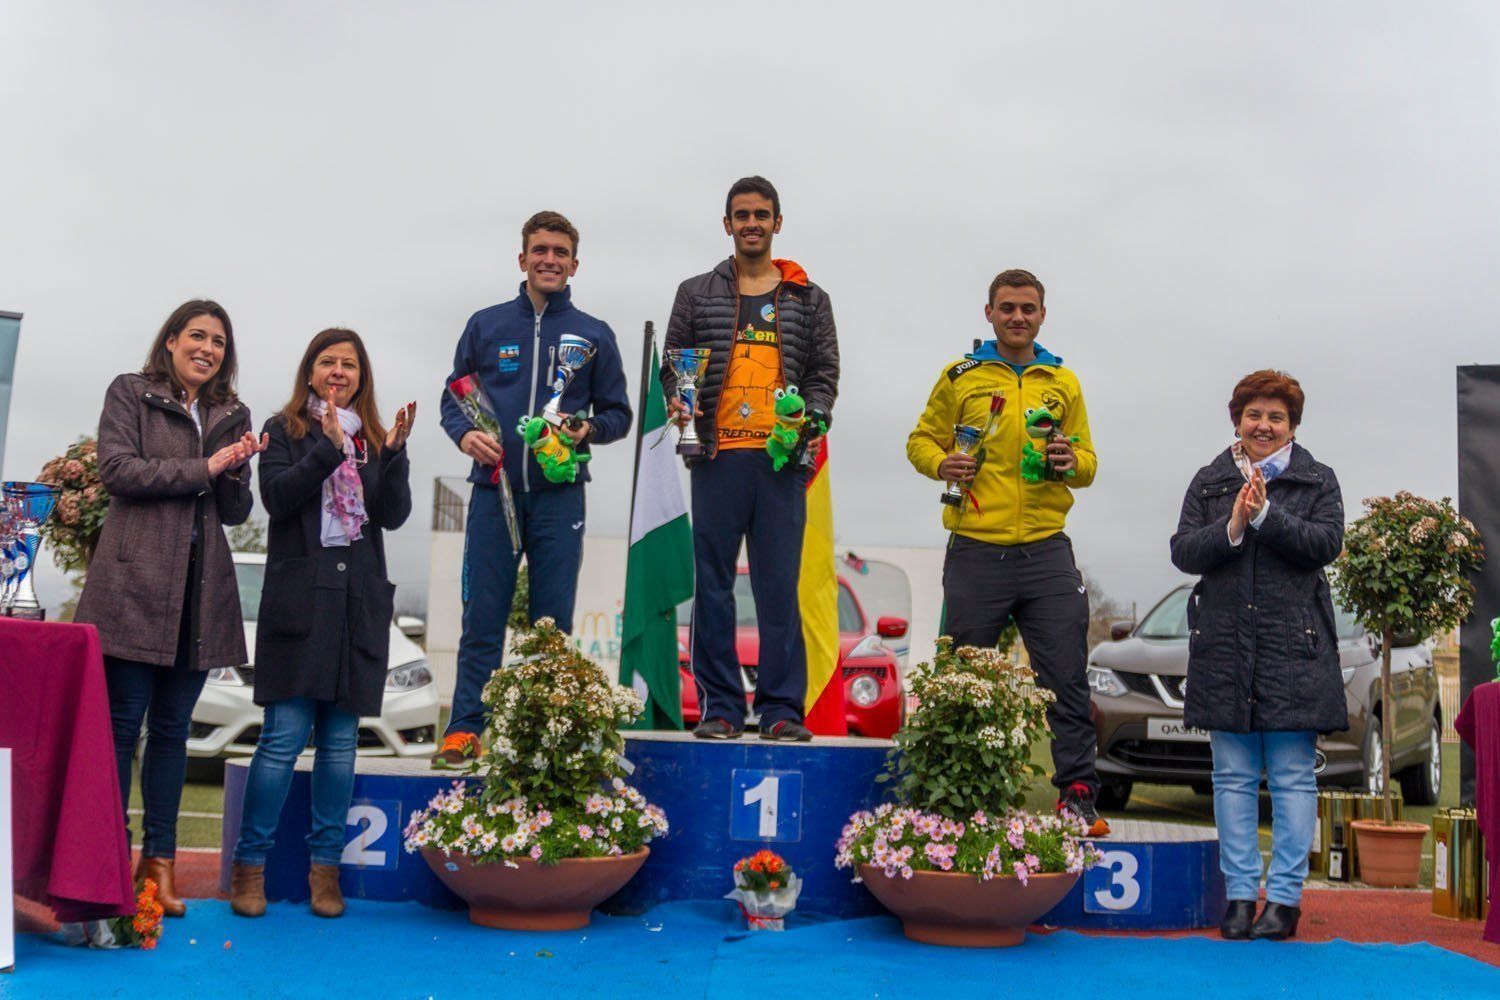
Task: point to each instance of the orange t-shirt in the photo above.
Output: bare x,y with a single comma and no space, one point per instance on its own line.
747,401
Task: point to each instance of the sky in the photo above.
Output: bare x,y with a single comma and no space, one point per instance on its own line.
1205,189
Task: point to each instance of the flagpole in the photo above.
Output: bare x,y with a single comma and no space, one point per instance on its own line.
640,423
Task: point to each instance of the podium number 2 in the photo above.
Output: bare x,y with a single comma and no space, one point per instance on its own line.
765,793
372,822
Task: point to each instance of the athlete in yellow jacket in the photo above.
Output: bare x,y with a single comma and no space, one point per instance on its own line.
1008,557
1005,510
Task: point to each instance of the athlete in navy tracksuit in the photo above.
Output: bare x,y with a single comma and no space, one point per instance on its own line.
511,346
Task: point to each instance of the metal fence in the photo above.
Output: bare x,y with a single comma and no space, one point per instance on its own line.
449,503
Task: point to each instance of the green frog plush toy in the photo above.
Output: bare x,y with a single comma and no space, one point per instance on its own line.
1041,425
555,453
786,435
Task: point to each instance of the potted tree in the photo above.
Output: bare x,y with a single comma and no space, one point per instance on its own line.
549,828
1403,572
956,858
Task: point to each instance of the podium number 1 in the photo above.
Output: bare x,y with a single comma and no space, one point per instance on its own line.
765,793
765,805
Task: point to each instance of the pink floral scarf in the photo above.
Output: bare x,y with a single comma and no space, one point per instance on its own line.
343,492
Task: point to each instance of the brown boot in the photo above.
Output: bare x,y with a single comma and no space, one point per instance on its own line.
247,889
327,900
160,871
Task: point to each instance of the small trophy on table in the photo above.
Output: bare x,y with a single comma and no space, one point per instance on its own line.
965,441
573,352
28,506
688,365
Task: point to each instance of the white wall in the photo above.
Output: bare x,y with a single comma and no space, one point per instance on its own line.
597,617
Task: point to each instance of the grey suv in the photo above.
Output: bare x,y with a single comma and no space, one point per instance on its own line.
1138,679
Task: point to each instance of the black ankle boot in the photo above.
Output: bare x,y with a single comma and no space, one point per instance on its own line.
1276,922
1237,920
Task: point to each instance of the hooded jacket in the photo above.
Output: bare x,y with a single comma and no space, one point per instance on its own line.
1004,510
511,347
705,314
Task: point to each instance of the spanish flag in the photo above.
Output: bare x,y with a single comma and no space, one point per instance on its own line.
818,597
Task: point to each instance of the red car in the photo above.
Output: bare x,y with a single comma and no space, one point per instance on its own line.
871,674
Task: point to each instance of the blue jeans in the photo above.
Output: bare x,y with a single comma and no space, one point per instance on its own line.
1287,760
162,697
551,523
284,736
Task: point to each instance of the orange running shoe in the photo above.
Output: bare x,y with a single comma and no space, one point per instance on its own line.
460,752
1078,799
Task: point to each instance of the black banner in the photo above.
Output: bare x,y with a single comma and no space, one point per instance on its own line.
1479,501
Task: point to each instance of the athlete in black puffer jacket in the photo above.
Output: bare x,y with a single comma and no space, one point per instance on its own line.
704,313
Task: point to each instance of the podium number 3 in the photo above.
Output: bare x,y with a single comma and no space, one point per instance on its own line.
765,794
371,820
1124,890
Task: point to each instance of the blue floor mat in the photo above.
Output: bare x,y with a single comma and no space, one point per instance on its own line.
402,950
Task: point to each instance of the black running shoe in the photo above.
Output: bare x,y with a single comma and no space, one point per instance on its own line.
786,731
717,729
1078,799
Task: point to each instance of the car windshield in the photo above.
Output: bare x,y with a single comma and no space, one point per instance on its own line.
250,577
744,607
1168,620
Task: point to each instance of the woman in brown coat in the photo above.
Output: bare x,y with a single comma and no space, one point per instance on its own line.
173,446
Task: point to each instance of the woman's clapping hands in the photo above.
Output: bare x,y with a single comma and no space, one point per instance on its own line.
232,456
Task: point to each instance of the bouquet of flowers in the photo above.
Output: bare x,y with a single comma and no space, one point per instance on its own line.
140,931
766,889
961,766
73,529
469,395
551,782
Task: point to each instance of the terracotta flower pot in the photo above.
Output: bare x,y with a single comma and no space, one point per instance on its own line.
955,909
532,896
1391,855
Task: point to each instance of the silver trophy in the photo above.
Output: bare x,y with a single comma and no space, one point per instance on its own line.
965,441
573,352
29,505
688,365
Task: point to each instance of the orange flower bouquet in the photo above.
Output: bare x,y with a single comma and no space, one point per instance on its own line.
140,931
766,889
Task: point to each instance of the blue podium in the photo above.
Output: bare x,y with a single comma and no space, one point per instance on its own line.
724,800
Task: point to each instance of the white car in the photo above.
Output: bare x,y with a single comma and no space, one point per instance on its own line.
226,720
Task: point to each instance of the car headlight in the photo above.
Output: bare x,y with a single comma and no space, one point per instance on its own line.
1348,673
682,650
227,676
869,647
864,690
1104,681
408,676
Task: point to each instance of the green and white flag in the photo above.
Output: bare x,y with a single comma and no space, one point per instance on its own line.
659,566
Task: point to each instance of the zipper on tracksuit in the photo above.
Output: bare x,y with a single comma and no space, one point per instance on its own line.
536,351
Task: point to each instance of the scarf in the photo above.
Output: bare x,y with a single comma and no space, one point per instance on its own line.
343,493
1270,467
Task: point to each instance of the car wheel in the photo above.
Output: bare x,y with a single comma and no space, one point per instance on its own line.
1114,796
1374,752
1423,782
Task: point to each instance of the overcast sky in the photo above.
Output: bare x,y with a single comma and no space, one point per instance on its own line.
1205,189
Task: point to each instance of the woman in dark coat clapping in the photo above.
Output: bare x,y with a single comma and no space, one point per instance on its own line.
332,479
174,442
1259,524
